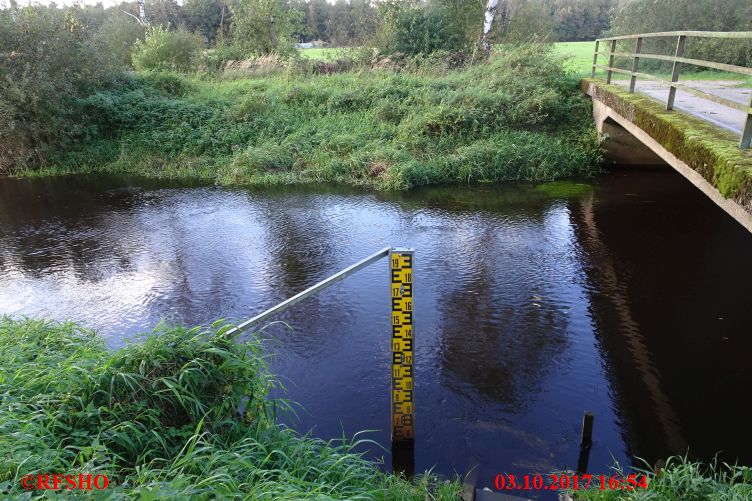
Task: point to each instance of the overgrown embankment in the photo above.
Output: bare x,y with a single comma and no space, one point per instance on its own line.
161,419
516,117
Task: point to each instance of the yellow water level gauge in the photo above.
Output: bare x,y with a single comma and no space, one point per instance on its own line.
403,409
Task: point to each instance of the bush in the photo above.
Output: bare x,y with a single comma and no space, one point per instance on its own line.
47,60
163,49
419,30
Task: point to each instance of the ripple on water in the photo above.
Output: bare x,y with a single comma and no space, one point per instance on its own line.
528,304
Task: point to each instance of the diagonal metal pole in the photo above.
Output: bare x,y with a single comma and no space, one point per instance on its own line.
337,277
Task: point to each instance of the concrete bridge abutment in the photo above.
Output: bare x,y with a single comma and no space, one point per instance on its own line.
641,133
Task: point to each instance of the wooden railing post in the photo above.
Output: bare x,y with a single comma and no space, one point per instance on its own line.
635,63
746,141
610,61
675,72
595,58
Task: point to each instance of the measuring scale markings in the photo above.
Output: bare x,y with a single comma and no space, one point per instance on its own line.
401,274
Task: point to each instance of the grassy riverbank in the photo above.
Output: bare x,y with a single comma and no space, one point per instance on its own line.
517,117
160,419
681,480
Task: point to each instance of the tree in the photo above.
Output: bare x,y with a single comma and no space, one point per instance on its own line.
582,19
163,49
488,18
646,16
530,19
117,36
206,17
264,26
47,61
442,25
165,13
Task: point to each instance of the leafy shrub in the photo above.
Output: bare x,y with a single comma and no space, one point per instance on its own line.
163,49
47,61
215,59
419,30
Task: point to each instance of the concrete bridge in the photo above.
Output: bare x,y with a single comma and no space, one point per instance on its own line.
703,129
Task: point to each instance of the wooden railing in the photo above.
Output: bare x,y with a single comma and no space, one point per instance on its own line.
678,60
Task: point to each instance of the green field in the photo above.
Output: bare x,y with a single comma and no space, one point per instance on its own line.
580,61
580,55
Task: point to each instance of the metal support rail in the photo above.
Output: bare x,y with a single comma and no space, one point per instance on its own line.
678,60
401,320
324,284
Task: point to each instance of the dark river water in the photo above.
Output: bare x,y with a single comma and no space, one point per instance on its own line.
629,296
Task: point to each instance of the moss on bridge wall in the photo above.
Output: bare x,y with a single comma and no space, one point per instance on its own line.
709,150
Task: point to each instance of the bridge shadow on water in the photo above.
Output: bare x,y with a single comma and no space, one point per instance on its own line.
669,290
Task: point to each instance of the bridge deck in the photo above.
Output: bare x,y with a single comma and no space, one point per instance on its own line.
707,155
717,114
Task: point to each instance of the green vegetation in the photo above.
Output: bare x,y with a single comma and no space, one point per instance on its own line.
503,120
580,60
579,56
652,16
162,419
163,49
682,480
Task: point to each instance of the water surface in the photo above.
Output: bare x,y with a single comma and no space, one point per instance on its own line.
628,296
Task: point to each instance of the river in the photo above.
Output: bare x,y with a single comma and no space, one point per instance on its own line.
628,295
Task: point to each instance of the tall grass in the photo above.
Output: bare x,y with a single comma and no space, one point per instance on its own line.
517,117
681,479
182,413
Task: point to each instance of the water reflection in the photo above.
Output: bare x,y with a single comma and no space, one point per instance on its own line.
532,303
499,327
666,291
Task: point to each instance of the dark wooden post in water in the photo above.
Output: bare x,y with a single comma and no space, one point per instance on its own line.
586,441
675,71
